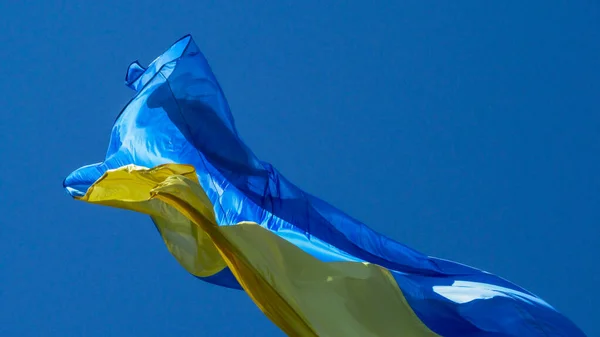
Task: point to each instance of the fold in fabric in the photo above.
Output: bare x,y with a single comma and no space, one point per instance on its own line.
301,294
179,114
129,188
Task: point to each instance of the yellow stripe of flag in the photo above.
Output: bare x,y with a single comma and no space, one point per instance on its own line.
301,294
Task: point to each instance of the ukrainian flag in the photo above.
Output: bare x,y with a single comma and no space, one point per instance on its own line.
235,221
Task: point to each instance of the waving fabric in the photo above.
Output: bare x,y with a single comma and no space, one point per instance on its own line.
233,220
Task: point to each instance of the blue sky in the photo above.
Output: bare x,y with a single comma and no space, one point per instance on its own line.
467,131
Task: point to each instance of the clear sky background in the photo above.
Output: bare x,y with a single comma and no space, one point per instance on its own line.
467,131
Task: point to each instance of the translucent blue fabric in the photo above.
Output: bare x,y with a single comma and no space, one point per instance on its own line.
179,114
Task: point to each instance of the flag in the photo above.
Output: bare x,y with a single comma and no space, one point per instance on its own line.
233,220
